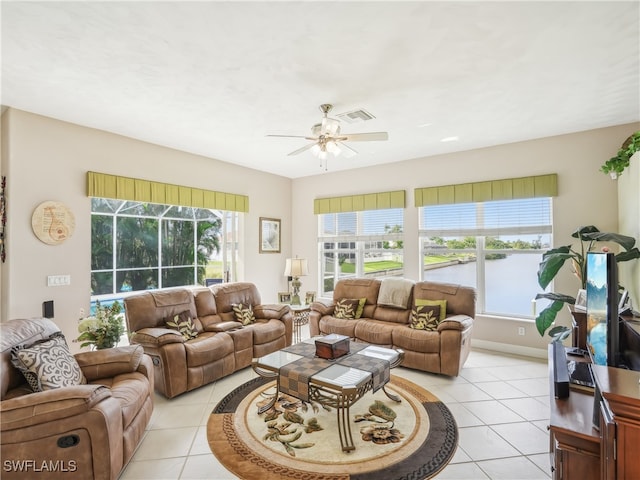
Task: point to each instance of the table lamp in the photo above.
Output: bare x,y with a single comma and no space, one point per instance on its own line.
296,268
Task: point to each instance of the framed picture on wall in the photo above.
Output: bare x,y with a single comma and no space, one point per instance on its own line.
269,235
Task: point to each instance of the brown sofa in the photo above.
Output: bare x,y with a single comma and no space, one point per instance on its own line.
221,346
442,351
86,431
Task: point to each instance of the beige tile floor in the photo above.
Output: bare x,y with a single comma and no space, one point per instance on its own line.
499,401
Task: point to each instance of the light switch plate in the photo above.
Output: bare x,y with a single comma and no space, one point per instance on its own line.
58,280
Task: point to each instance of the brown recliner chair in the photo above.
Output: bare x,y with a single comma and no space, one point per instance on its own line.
87,431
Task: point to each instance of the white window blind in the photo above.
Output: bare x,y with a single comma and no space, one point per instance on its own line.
505,217
366,226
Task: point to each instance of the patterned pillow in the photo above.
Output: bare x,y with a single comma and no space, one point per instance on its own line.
441,303
346,308
361,303
244,315
48,364
425,317
183,323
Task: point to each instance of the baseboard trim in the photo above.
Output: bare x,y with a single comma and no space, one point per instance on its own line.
508,348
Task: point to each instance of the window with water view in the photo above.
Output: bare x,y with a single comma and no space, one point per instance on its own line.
494,246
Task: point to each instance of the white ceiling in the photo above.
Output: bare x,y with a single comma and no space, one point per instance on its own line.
214,78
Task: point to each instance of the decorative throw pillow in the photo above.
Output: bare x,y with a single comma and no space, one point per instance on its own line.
48,364
183,323
346,308
360,309
425,317
441,303
244,315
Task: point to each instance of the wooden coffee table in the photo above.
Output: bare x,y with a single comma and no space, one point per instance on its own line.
335,383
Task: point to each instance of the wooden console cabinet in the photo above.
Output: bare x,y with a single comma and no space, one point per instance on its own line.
580,451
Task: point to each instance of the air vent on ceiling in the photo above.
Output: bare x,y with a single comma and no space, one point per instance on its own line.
356,116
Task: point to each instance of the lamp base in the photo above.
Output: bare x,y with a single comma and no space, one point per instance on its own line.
295,286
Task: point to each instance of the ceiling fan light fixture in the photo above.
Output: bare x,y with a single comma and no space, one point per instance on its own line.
316,150
332,147
330,126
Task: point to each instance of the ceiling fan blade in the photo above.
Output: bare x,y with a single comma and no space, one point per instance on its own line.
347,150
366,137
303,149
288,136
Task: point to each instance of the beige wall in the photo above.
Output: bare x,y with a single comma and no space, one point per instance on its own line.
586,197
46,159
629,224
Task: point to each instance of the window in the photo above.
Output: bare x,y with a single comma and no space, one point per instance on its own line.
360,244
141,246
495,246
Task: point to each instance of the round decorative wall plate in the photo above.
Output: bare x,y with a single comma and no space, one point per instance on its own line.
53,222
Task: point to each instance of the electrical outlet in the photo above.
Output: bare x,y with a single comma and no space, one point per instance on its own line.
520,330
81,312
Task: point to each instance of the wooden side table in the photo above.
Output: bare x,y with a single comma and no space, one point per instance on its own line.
300,317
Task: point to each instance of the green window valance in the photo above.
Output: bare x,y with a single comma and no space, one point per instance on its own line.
124,188
505,189
356,203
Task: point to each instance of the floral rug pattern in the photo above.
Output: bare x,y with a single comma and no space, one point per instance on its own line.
293,424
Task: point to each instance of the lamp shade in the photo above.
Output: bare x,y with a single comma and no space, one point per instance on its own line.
296,267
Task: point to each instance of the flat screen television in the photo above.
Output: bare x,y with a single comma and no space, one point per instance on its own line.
602,308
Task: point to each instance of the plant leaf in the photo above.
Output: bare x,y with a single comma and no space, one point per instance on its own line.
559,333
628,255
560,297
548,316
623,240
552,262
583,232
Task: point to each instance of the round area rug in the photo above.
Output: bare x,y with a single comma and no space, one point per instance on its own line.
411,439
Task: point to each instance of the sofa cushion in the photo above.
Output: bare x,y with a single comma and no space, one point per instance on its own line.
48,364
442,304
413,340
244,314
341,326
375,332
425,317
266,332
183,323
207,348
132,391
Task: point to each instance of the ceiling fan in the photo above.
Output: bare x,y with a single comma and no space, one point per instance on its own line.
326,137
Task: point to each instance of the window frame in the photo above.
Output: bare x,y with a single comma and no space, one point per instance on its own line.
360,243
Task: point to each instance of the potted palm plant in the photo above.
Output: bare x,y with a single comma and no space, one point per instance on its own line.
554,259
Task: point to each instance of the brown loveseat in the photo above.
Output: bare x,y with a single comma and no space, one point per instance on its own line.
221,347
85,431
441,351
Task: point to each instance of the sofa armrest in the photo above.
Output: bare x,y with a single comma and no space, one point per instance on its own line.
156,337
110,362
323,307
456,322
50,405
270,311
